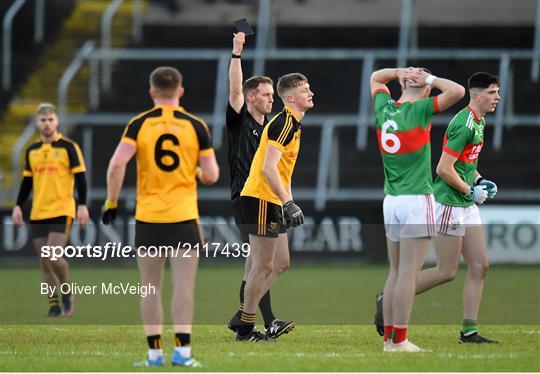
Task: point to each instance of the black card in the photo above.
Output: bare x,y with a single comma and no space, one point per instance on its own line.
242,25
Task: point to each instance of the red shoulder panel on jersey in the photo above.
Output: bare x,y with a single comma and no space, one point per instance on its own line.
468,154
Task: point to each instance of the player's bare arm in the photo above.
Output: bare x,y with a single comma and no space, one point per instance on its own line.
208,169
236,98
445,170
380,78
82,215
117,169
24,192
452,92
271,173
17,215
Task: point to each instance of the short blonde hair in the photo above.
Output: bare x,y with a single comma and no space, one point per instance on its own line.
288,81
45,108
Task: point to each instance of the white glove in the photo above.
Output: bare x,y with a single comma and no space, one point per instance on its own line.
490,186
478,194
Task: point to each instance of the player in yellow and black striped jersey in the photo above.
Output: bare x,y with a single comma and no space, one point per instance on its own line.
53,166
246,117
172,148
266,199
169,141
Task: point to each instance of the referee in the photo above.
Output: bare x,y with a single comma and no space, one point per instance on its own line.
246,117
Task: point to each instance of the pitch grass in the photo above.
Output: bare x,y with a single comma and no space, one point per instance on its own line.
307,348
332,305
310,295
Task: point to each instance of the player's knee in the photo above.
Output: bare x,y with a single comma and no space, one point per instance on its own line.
265,269
479,269
46,265
447,274
282,266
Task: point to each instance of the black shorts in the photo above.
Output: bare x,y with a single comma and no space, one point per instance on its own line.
237,214
168,234
261,217
42,227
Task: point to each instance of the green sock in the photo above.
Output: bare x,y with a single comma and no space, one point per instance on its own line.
469,326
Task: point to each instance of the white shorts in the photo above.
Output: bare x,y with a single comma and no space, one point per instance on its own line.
409,216
454,220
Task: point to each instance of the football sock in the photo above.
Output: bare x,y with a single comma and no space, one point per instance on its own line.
183,344
400,334
154,342
469,326
248,323
239,311
53,301
388,332
266,309
181,339
242,288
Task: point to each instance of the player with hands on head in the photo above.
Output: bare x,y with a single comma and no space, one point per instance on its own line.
458,189
403,132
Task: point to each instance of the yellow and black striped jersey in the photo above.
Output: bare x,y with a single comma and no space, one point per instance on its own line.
169,141
283,132
52,167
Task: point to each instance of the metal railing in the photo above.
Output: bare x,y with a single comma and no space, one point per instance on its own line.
69,74
7,24
327,153
323,190
535,65
18,150
361,120
106,26
367,56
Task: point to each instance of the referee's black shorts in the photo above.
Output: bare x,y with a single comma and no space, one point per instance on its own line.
261,217
42,227
237,214
168,234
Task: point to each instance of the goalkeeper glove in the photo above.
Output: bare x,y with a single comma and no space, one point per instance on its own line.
478,194
293,214
490,186
108,214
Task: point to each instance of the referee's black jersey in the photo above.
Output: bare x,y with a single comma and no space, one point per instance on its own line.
244,137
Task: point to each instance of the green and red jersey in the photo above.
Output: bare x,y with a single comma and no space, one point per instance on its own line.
403,132
463,139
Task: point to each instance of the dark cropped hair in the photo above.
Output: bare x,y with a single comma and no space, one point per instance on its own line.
482,80
166,80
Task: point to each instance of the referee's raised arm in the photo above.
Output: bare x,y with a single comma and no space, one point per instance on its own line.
236,98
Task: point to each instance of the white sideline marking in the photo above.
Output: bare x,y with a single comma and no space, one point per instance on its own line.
74,353
530,332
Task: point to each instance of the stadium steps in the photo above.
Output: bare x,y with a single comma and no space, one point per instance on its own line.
83,24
